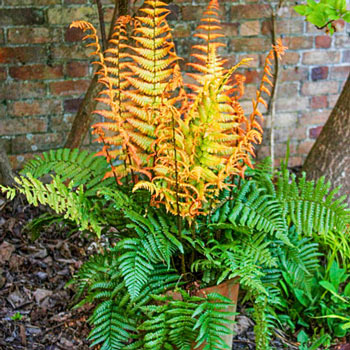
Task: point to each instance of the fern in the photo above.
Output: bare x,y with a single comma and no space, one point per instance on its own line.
111,327
74,205
212,322
312,206
80,167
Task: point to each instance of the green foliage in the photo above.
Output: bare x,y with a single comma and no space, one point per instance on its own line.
313,305
79,167
324,12
212,321
73,204
17,316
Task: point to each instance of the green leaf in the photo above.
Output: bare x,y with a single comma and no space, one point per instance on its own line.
302,337
301,9
300,295
347,290
328,286
346,17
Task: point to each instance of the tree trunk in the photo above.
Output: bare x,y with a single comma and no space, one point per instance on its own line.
6,174
83,119
330,155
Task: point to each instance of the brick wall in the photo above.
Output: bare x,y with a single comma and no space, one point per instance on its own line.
44,68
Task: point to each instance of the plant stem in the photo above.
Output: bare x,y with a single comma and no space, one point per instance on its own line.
102,24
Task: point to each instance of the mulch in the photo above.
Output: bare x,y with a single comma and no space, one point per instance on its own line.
33,275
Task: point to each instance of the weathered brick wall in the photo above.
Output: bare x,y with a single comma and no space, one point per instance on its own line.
44,69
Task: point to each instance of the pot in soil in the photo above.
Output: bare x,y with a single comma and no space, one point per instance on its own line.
228,289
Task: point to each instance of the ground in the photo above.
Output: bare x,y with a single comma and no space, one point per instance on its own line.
33,275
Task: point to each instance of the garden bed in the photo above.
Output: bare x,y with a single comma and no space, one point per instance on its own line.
32,288
32,285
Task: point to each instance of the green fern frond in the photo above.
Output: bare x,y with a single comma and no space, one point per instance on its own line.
213,321
80,167
312,206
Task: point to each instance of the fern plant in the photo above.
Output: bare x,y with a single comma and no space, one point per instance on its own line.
172,181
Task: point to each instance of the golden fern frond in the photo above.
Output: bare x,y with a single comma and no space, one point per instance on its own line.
279,49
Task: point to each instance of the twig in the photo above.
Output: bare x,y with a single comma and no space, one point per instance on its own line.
272,103
102,24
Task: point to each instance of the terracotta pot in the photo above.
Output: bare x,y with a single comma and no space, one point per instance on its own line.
228,289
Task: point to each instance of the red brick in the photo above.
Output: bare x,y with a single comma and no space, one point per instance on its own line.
292,104
3,74
59,123
251,11
34,35
305,147
321,57
323,41
74,34
298,42
290,58
287,89
283,134
319,88
319,102
294,74
250,28
76,52
36,142
66,15
285,120
37,71
314,118
31,2
22,54
283,27
315,132
69,87
72,105
34,108
17,90
339,72
21,16
192,13
22,125
230,29
341,42
319,73
182,30
250,44
77,69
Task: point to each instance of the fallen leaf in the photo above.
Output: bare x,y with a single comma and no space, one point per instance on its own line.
6,250
41,296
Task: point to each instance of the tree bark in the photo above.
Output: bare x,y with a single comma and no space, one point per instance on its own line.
83,119
6,174
330,155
